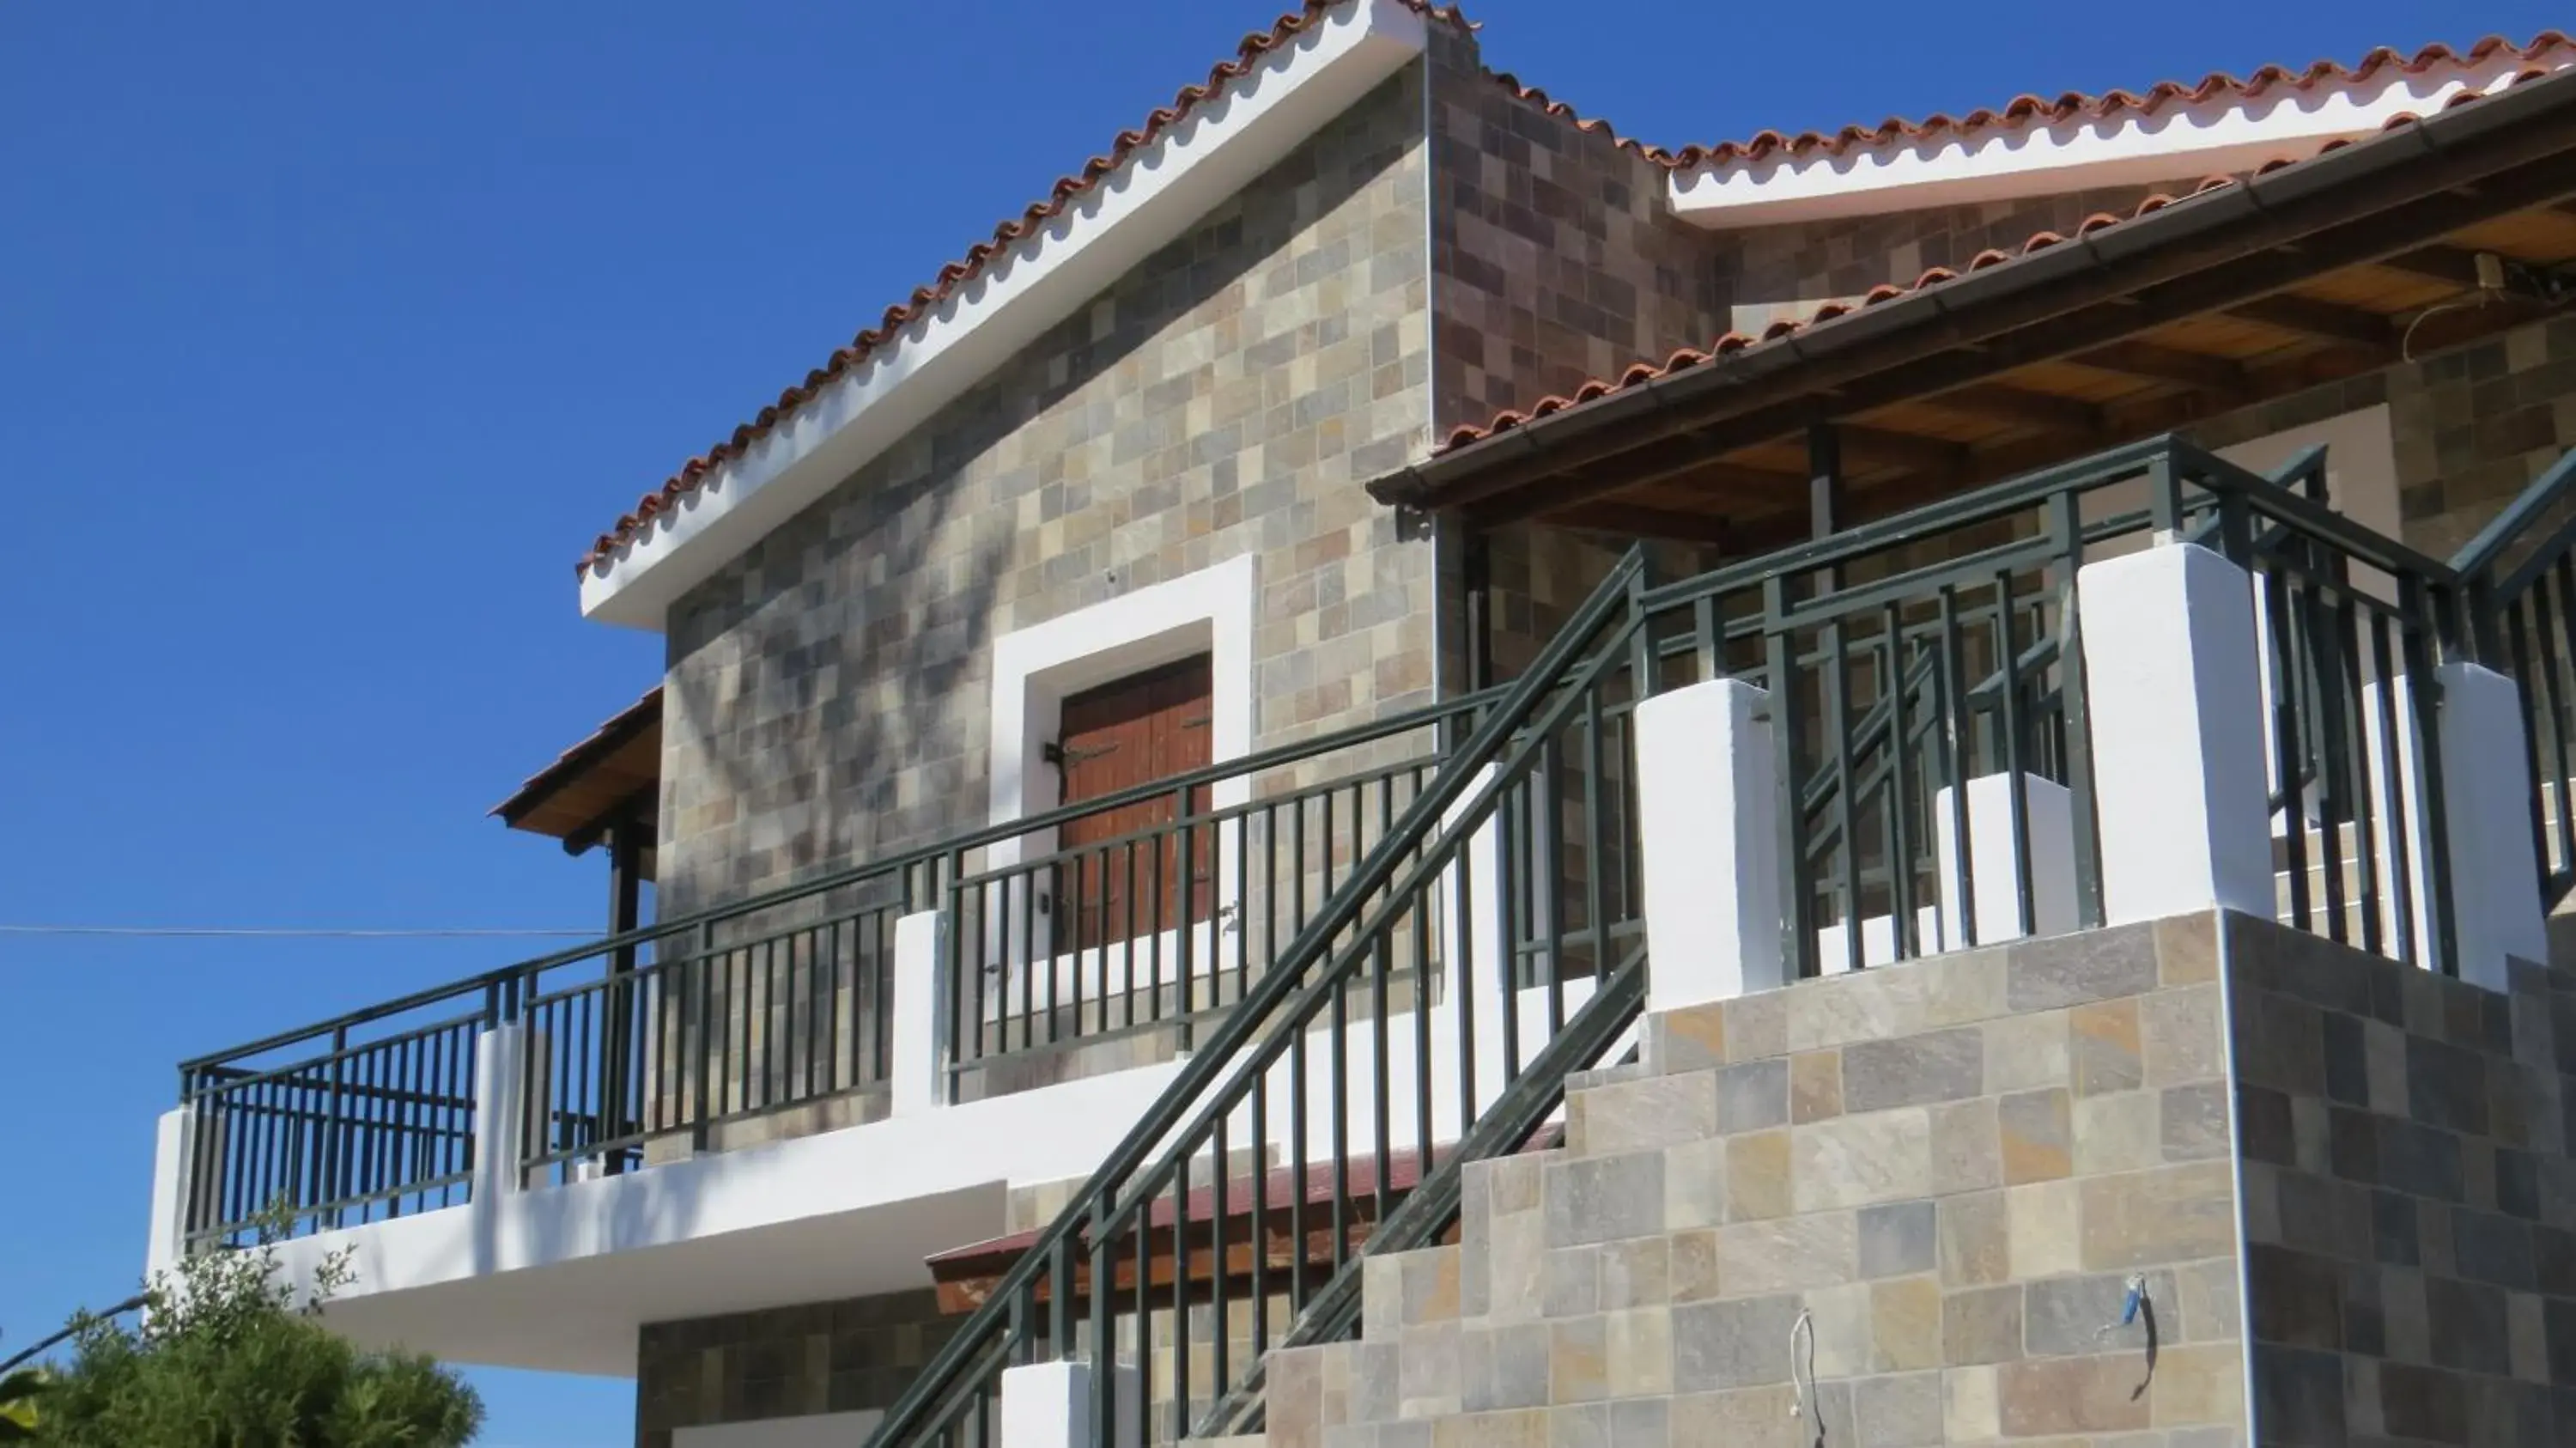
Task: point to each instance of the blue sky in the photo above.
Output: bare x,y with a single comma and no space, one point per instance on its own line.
330,334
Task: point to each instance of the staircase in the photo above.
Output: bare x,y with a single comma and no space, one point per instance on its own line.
1829,1215
1841,1212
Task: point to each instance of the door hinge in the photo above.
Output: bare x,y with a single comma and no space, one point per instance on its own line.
1054,752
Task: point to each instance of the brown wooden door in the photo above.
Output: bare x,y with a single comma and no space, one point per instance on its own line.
1140,729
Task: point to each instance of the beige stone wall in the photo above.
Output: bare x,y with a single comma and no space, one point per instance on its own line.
1953,1166
828,692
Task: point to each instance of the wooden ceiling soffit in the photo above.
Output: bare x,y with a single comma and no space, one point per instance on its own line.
2321,321
2454,265
2147,361
2043,410
2394,195
1638,520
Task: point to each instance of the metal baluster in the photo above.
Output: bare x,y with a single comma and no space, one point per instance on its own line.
1896,818
2286,752
2015,741
2075,709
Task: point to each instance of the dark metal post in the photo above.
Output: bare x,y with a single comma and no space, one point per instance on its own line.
1476,563
625,911
1825,491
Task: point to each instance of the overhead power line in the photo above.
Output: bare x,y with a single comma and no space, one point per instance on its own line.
283,932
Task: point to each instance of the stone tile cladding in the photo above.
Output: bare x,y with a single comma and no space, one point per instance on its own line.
1769,274
821,1357
828,692
2410,1200
1555,254
2471,426
1954,1166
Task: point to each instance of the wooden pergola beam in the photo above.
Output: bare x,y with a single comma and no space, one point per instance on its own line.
2085,313
2456,265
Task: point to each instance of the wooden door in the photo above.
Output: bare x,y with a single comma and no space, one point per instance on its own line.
1140,729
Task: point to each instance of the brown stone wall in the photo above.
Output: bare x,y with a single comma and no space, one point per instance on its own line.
819,1357
828,691
2410,1203
1555,254
1768,274
2471,426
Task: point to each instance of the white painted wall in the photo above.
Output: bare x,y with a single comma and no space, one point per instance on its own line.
1211,611
560,1277
1708,820
2169,661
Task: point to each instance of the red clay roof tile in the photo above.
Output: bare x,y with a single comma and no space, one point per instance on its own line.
1247,55
1639,373
2022,111
2031,110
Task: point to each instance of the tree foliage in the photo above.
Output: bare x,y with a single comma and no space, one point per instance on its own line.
19,1391
223,1356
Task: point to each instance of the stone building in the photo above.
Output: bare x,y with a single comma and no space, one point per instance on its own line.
1124,630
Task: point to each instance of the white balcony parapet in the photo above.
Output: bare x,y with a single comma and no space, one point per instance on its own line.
2176,704
918,1073
1707,816
2486,797
1048,1405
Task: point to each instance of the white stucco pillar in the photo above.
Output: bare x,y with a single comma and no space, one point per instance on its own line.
2176,705
1708,815
502,1107
1048,1405
917,1067
1992,883
2486,818
173,1158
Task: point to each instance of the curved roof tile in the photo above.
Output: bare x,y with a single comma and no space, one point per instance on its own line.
1640,373
1247,55
2029,110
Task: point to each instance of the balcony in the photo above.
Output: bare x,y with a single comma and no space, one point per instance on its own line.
1890,743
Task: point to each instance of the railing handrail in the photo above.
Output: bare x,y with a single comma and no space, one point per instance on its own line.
2000,499
1284,979
501,977
2481,553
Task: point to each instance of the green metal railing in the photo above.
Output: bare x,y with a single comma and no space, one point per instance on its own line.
1904,660
675,1030
2520,580
1387,947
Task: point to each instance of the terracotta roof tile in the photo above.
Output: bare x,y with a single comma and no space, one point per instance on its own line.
647,709
2023,111
1648,370
2029,110
1247,55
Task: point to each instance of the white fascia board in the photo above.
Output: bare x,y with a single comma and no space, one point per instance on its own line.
2228,133
1222,146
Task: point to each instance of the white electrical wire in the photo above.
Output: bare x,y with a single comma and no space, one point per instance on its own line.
2406,343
